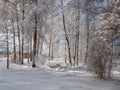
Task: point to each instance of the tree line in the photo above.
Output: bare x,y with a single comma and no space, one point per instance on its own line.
79,31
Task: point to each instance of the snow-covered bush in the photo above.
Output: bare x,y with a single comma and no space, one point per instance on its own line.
100,60
102,43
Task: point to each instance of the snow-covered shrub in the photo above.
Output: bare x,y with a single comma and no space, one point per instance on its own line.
100,60
103,41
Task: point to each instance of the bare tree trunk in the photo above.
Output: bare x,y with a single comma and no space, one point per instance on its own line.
31,48
52,55
19,41
14,41
28,48
87,25
78,30
38,44
50,42
22,51
7,46
75,50
65,54
14,36
23,16
41,46
81,50
35,38
87,43
66,35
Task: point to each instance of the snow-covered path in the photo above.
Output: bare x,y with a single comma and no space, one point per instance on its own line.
39,79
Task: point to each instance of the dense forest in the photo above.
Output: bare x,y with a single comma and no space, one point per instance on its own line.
75,31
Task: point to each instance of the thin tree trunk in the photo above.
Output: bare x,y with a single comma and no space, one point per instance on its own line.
7,46
14,36
31,48
52,55
50,44
87,43
38,45
18,35
14,41
65,54
35,38
87,25
23,16
28,49
66,35
81,52
41,46
75,49
78,31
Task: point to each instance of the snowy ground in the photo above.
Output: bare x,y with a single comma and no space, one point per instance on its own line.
26,78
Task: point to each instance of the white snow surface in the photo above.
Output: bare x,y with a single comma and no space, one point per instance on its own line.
26,78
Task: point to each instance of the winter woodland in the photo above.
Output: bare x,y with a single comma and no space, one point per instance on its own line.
70,37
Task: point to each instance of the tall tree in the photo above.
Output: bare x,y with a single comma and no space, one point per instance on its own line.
35,35
66,35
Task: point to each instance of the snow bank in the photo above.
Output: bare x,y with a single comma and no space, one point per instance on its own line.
57,62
